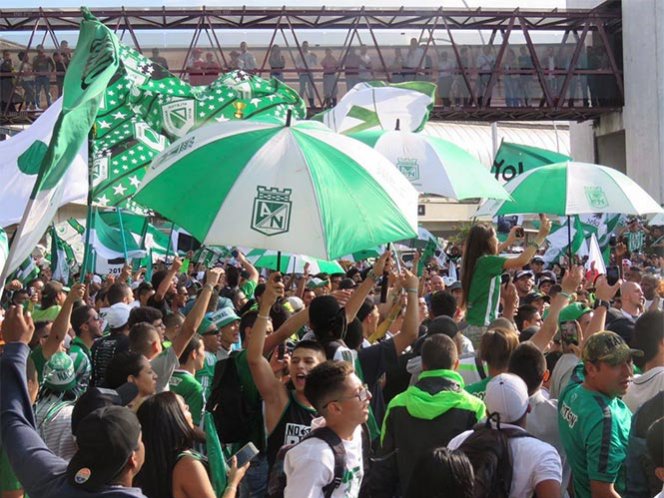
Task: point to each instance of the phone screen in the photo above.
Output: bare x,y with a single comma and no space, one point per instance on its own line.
612,275
245,454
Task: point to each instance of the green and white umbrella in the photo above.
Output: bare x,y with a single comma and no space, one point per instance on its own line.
291,263
435,166
301,189
364,254
570,188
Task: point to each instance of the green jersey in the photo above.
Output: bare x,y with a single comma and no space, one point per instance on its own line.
80,355
248,287
593,429
38,358
206,374
484,295
479,388
186,385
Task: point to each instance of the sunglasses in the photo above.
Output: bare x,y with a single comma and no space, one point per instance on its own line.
362,395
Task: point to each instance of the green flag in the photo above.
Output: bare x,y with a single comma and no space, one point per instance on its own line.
146,107
513,159
216,456
92,66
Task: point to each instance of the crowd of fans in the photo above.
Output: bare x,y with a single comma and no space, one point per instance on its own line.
384,381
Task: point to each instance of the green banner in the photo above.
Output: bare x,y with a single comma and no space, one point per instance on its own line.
513,159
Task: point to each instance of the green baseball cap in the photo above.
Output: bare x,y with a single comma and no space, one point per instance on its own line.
207,326
573,311
59,373
223,317
609,347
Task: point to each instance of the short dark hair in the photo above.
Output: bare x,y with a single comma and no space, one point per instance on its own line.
365,309
247,321
313,345
325,381
117,292
354,334
144,314
80,316
439,352
526,312
496,345
158,277
173,319
528,362
139,337
443,303
648,334
193,345
655,442
259,290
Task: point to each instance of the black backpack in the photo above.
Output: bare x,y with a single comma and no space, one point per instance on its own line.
489,452
231,409
277,480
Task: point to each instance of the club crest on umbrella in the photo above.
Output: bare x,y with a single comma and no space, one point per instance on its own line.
179,117
271,211
596,197
409,168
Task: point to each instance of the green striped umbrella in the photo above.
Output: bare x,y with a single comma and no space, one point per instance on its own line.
570,188
364,254
301,189
291,263
435,166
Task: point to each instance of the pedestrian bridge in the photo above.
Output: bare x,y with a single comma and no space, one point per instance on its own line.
490,65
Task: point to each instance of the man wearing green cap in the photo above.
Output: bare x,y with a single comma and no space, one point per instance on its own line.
594,422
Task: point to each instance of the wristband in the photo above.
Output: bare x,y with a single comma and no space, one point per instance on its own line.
209,286
264,317
565,294
372,275
411,289
600,303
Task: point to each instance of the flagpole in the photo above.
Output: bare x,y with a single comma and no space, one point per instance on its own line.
170,242
122,234
569,240
88,224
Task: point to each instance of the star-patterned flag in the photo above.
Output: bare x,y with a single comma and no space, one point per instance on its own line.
145,107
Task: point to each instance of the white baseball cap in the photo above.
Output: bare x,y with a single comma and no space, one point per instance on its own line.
507,395
117,315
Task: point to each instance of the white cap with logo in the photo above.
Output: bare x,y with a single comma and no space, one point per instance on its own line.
507,395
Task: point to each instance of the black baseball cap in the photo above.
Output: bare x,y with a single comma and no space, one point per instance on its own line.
99,397
443,325
106,438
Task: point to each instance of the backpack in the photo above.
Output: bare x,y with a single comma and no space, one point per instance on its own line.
231,409
277,479
489,452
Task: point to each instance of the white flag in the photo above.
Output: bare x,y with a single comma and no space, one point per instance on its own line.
21,156
595,255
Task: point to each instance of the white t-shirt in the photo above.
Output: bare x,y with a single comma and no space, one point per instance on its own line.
533,461
309,466
644,387
164,365
53,419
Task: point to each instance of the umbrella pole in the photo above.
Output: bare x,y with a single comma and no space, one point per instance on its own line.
569,240
279,261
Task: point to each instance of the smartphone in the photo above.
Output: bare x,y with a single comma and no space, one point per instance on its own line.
235,253
568,333
519,232
281,351
505,279
246,454
612,275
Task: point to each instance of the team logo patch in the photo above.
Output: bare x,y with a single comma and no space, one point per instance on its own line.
179,117
99,169
596,197
82,475
272,210
409,168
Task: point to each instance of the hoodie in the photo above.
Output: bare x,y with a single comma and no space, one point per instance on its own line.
425,416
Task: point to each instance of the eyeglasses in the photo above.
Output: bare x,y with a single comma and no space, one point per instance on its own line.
362,395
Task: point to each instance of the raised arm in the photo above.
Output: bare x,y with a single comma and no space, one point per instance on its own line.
271,390
253,272
165,284
408,333
195,316
549,327
604,293
61,324
287,329
530,251
355,302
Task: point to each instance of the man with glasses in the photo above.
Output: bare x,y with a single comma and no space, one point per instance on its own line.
340,397
86,323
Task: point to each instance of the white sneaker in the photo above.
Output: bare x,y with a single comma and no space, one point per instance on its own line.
37,108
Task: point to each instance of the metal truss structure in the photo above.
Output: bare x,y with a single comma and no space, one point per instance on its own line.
579,77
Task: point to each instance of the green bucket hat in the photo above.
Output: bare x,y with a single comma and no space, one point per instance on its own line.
207,326
59,373
608,347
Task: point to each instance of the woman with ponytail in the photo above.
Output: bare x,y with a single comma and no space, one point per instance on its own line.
481,270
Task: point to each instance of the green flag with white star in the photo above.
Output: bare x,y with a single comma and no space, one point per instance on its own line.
63,260
146,107
94,62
